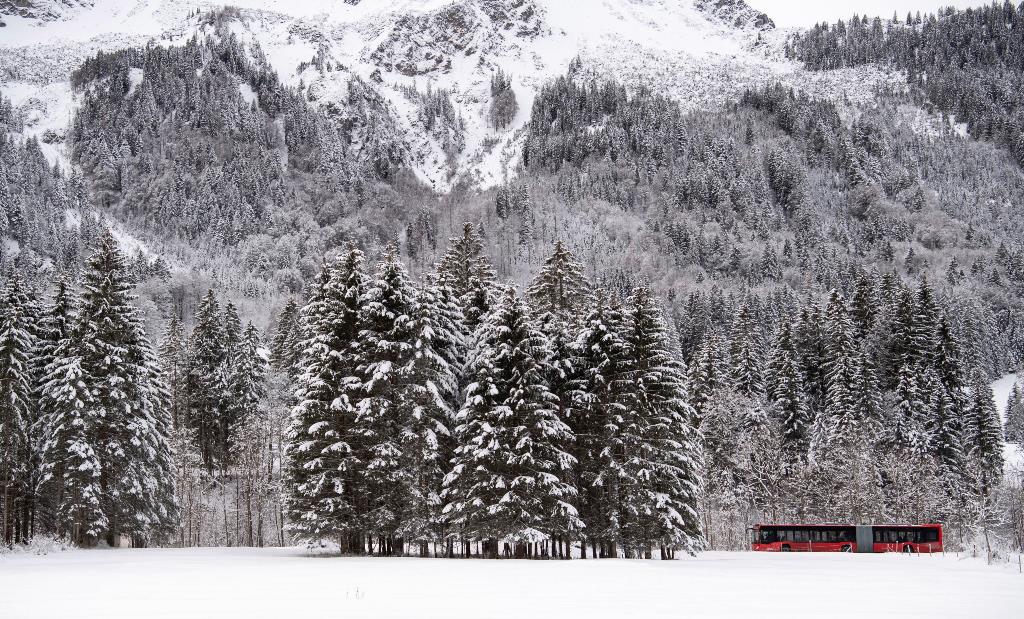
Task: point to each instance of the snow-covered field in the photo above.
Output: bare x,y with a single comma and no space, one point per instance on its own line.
255,583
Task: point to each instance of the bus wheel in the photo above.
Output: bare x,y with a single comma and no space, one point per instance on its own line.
846,548
907,549
785,548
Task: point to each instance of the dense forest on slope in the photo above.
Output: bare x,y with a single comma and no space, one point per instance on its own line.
968,63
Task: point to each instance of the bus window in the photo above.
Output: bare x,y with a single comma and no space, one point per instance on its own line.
801,535
769,536
929,535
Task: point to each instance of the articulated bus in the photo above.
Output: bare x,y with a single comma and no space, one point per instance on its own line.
925,538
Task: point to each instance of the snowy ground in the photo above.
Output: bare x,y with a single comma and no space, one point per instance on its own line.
256,583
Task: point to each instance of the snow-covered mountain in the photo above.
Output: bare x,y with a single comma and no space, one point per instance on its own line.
702,52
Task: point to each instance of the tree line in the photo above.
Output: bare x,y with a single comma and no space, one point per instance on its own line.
459,412
84,430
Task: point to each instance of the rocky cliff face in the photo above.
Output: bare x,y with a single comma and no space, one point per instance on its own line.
46,10
424,43
735,13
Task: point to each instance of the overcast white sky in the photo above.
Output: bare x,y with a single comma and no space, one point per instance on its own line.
796,13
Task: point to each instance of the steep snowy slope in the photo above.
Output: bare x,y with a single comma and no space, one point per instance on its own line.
703,52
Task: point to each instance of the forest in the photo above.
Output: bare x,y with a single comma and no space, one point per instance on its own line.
666,327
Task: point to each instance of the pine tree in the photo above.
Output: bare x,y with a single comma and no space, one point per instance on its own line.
128,402
466,270
385,351
17,409
206,380
1014,430
324,498
560,288
509,479
665,467
596,414
747,355
428,403
786,393
982,435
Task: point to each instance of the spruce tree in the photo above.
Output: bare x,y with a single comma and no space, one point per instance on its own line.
72,464
1014,429
596,414
384,354
286,346
173,358
55,329
18,409
840,366
428,402
786,393
128,402
665,467
325,495
747,355
469,274
707,374
668,466
247,380
509,479
560,288
983,436
207,383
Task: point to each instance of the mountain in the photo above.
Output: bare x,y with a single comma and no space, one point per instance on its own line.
701,53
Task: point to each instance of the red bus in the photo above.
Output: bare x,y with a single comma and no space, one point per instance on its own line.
847,538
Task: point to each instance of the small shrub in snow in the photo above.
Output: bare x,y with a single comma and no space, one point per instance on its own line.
39,545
